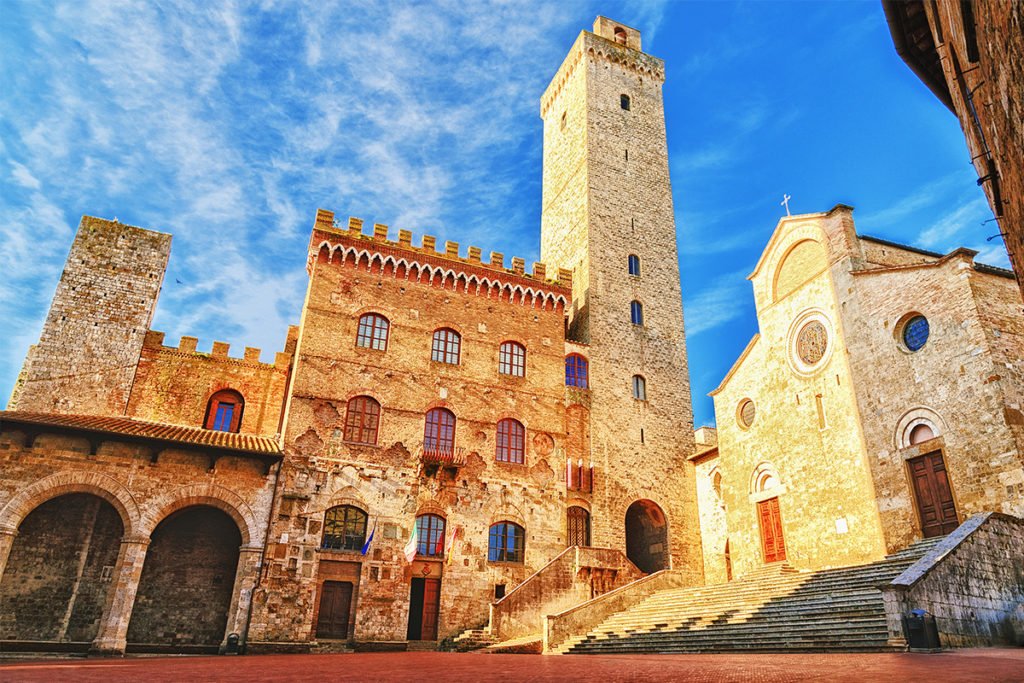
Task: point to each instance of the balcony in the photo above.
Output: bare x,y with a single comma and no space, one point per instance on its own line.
432,453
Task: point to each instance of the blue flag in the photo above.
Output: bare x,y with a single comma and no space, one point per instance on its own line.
369,539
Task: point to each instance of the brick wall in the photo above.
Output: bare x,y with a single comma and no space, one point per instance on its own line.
387,480
174,384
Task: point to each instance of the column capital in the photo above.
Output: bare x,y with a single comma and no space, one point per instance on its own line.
251,549
135,540
8,531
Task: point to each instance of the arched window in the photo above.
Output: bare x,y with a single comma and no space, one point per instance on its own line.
373,332
716,484
636,313
512,359
634,265
639,388
920,434
224,411
362,417
430,535
765,478
577,371
624,102
506,543
511,441
620,35
439,432
578,526
446,347
344,528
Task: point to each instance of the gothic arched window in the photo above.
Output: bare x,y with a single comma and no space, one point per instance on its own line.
577,371
446,347
430,535
439,432
512,359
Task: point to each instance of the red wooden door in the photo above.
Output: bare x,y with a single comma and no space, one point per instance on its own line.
335,603
772,541
934,495
431,607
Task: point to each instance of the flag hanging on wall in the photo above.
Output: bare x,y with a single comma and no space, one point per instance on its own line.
410,547
369,539
449,544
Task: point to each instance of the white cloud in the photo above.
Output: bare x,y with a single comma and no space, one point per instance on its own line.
955,223
718,303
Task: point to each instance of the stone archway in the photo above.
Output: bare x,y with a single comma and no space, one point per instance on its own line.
59,571
647,536
186,588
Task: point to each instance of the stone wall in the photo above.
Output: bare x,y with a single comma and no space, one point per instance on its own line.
972,582
47,479
174,384
714,528
419,291
958,383
92,338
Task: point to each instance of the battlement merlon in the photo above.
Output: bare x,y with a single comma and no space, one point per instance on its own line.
154,341
604,43
326,229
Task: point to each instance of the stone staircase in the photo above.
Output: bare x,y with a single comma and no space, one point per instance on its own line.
775,609
473,639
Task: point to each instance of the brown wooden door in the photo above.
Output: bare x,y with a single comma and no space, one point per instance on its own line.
772,541
431,607
934,495
335,603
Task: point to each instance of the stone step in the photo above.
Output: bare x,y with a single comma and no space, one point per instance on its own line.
767,604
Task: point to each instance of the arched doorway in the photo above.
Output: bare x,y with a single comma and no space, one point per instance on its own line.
59,571
187,580
647,536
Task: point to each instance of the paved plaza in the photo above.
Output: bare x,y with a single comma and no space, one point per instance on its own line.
963,666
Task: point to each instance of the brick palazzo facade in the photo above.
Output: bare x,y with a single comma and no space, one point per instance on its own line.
437,429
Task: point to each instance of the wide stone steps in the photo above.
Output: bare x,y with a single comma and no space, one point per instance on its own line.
774,609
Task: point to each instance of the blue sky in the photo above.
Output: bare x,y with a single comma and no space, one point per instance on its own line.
228,124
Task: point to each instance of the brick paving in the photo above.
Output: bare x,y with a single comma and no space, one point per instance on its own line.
963,666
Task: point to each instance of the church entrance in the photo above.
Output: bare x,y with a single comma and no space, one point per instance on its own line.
647,536
933,494
424,606
335,606
773,543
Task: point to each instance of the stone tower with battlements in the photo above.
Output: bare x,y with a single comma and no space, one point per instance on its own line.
608,216
92,339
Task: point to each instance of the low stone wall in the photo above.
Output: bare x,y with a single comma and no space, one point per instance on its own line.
583,618
972,581
573,576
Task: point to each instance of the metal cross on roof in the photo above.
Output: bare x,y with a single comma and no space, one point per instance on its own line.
785,203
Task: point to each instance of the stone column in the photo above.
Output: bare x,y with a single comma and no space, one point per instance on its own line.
249,561
7,535
113,632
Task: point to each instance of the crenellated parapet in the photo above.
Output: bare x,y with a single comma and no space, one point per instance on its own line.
188,347
351,246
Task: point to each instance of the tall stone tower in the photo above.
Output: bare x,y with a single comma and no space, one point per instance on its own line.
607,215
89,349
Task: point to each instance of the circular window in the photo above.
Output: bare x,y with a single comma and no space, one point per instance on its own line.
915,332
812,342
746,413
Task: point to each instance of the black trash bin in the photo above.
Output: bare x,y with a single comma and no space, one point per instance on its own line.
921,630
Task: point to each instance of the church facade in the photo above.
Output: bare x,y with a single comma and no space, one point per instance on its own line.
880,403
439,426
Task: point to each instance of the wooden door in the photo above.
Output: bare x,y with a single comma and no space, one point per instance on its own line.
431,608
335,604
773,544
934,495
